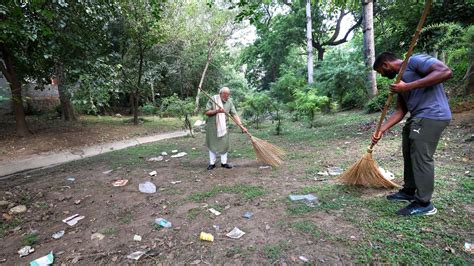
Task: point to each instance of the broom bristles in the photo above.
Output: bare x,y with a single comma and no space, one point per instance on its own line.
267,152
365,172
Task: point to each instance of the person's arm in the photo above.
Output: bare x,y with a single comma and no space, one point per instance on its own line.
214,112
210,111
237,119
397,116
437,73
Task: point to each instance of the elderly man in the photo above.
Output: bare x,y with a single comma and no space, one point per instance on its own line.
217,138
421,93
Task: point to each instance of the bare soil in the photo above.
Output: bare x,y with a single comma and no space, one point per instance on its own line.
53,135
121,212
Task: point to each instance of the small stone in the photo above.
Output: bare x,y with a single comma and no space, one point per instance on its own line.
174,151
137,238
303,258
4,203
18,209
77,202
164,154
75,260
156,159
7,216
97,236
450,250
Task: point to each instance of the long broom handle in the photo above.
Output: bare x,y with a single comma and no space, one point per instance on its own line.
231,117
404,66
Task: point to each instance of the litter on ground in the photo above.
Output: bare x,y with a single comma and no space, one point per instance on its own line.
235,233
72,220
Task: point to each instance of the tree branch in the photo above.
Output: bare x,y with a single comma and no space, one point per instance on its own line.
338,27
343,40
4,63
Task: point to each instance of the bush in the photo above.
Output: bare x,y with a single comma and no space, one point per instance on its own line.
309,102
148,109
376,104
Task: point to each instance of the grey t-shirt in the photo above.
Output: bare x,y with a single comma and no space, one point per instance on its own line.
429,102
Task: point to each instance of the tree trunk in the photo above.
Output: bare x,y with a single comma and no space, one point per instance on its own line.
9,72
17,103
67,109
309,37
469,88
369,47
152,93
321,51
136,94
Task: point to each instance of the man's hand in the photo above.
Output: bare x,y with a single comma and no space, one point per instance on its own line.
400,87
376,137
244,130
220,110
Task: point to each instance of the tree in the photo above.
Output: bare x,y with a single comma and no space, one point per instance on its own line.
309,31
21,41
369,46
309,102
175,106
79,40
140,31
256,105
278,33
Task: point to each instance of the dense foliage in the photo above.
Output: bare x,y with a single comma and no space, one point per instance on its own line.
141,56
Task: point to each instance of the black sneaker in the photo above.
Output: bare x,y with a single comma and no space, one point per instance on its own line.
211,166
226,165
416,208
401,196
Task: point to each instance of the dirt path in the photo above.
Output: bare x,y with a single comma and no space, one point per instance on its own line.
9,167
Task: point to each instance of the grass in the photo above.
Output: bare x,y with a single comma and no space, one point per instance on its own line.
29,240
192,214
247,191
125,217
275,252
307,227
7,226
111,231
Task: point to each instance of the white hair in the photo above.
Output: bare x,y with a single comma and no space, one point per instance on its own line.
224,89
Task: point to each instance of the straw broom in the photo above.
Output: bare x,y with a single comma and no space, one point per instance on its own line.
365,172
266,152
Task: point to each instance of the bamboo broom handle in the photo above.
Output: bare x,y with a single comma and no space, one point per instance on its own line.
231,117
404,66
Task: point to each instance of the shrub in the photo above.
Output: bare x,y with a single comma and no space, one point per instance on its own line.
148,109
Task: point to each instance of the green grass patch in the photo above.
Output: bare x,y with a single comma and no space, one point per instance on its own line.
7,226
111,231
125,217
29,240
247,191
307,227
330,197
275,252
42,205
192,214
411,240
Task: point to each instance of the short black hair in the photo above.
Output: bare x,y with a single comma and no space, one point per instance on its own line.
384,57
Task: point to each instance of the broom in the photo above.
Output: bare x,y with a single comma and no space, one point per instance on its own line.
365,172
266,152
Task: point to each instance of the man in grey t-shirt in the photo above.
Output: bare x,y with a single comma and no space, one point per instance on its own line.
421,93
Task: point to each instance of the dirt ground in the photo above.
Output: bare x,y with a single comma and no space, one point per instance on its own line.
53,135
119,213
